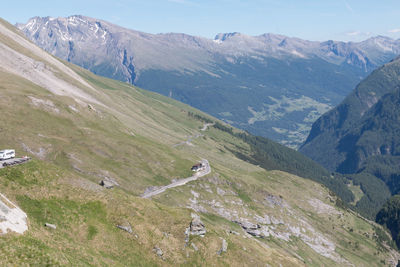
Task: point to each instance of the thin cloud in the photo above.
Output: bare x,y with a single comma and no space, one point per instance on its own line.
394,30
358,34
184,2
179,1
355,33
348,6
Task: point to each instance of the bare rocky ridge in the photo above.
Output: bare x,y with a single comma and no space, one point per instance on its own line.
172,51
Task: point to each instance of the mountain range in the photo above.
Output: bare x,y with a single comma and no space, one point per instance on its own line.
270,85
97,145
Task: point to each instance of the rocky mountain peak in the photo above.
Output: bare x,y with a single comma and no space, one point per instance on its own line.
224,36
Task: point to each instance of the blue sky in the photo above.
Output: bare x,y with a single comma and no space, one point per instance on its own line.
348,20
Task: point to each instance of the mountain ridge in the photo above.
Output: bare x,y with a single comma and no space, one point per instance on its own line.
215,75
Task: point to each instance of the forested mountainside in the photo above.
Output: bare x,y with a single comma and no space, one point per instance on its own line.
360,138
99,146
328,130
389,217
270,85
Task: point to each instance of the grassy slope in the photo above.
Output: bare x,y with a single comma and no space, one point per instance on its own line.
131,140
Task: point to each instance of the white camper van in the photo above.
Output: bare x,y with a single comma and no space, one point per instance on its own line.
7,154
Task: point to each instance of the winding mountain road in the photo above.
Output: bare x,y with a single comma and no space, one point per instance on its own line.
191,137
180,182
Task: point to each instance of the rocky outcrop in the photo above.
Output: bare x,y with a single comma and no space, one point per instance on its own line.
127,228
197,226
224,247
108,183
250,228
158,251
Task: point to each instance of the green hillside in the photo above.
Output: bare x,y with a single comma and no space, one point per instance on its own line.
80,128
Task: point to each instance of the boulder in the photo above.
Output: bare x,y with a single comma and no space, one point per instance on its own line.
108,182
52,226
127,228
224,247
197,226
158,251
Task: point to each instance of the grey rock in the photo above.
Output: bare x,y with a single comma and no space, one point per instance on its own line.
108,182
233,232
220,191
158,251
224,247
256,233
274,201
127,228
49,225
195,247
250,228
91,107
263,220
197,226
187,236
247,225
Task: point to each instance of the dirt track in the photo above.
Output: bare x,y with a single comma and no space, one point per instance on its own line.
180,182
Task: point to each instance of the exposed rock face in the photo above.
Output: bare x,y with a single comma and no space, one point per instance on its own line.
158,251
197,226
281,222
224,247
274,200
250,228
126,228
108,183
